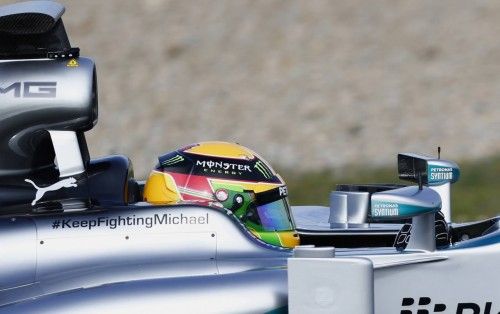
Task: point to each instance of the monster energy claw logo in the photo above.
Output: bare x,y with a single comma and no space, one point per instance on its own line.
261,167
172,161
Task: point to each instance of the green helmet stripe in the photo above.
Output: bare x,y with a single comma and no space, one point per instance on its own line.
173,160
270,237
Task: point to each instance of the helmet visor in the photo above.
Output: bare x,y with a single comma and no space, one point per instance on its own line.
275,216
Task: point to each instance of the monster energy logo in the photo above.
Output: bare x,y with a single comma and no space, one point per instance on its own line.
172,161
223,166
261,167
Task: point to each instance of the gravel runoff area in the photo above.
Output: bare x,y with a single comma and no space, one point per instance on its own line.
307,84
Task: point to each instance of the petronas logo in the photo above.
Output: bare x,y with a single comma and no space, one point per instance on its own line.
262,168
172,161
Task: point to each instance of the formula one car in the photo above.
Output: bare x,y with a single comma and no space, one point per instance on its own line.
83,236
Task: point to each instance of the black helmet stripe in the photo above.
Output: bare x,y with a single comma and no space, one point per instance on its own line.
217,167
272,195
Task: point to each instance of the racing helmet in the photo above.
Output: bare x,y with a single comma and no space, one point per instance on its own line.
231,176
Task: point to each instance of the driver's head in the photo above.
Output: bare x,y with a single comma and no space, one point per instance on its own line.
231,175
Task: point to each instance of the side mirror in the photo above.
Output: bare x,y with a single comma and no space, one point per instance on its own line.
433,171
404,203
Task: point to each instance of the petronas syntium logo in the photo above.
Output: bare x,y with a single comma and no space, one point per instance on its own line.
172,161
262,168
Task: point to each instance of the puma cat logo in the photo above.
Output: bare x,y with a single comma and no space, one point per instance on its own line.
40,192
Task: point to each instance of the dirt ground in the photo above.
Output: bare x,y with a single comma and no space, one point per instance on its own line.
307,84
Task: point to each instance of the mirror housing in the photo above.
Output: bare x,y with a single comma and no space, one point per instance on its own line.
434,171
404,203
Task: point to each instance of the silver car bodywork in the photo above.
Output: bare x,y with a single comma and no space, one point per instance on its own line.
75,239
142,258
63,252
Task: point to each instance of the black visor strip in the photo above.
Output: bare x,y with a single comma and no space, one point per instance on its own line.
271,195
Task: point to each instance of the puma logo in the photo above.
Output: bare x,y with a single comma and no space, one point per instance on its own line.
40,192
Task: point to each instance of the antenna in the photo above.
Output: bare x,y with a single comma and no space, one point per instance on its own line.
420,185
439,152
